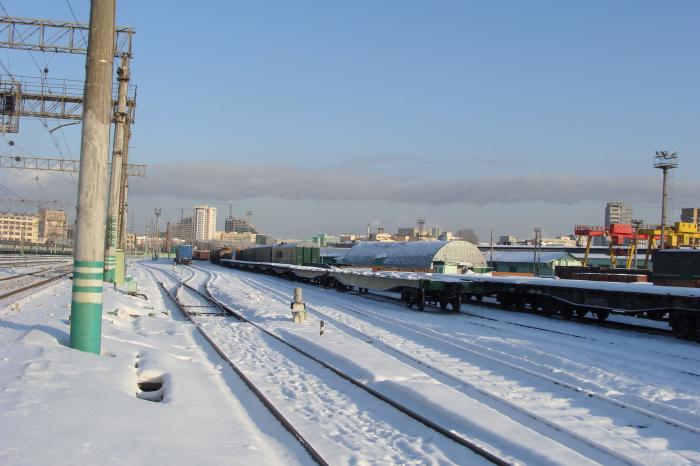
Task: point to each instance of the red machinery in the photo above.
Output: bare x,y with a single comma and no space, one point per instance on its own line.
622,240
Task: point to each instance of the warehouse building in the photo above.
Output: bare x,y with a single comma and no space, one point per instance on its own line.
523,262
429,256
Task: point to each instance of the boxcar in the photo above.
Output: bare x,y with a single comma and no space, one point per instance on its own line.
676,267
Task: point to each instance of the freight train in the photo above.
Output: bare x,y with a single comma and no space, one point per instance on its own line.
566,298
287,253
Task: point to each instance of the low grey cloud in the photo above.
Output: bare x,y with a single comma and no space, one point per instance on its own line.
362,162
283,181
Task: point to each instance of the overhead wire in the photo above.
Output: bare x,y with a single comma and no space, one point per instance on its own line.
45,86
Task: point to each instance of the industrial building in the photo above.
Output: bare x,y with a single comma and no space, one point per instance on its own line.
523,262
435,256
617,212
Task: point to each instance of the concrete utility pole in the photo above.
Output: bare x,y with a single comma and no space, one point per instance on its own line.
664,161
156,239
117,160
124,188
88,264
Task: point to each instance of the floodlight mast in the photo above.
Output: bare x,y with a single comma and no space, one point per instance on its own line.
665,161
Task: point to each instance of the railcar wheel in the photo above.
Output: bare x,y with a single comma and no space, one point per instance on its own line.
601,315
684,325
566,311
443,304
548,309
504,300
581,312
456,303
479,297
420,299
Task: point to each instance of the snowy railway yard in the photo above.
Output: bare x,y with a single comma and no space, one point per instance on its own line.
383,384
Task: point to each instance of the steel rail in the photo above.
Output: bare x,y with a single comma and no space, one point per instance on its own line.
33,285
249,383
36,272
446,339
398,406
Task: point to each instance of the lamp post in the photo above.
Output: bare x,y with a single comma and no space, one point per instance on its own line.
665,161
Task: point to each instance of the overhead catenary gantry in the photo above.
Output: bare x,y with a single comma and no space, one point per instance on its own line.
61,99
45,35
58,165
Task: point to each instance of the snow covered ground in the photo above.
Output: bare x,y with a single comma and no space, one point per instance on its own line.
561,393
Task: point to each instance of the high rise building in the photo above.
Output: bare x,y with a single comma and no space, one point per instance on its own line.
690,215
617,212
204,222
182,230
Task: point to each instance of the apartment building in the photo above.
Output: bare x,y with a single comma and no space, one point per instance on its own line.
19,227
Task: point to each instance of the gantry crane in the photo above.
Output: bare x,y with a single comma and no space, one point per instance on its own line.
622,240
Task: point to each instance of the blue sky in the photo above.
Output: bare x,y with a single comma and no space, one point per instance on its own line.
327,116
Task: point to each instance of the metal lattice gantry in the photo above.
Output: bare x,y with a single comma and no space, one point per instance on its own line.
56,36
58,165
22,96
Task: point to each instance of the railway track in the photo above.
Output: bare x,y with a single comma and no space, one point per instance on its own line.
33,262
653,412
16,284
193,310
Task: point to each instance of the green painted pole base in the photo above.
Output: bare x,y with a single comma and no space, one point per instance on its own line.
86,306
86,327
109,268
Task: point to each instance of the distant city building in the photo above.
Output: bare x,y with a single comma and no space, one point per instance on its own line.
204,222
52,225
436,231
411,232
238,225
19,227
347,238
380,235
264,240
446,236
323,239
617,212
183,230
236,237
508,239
690,215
